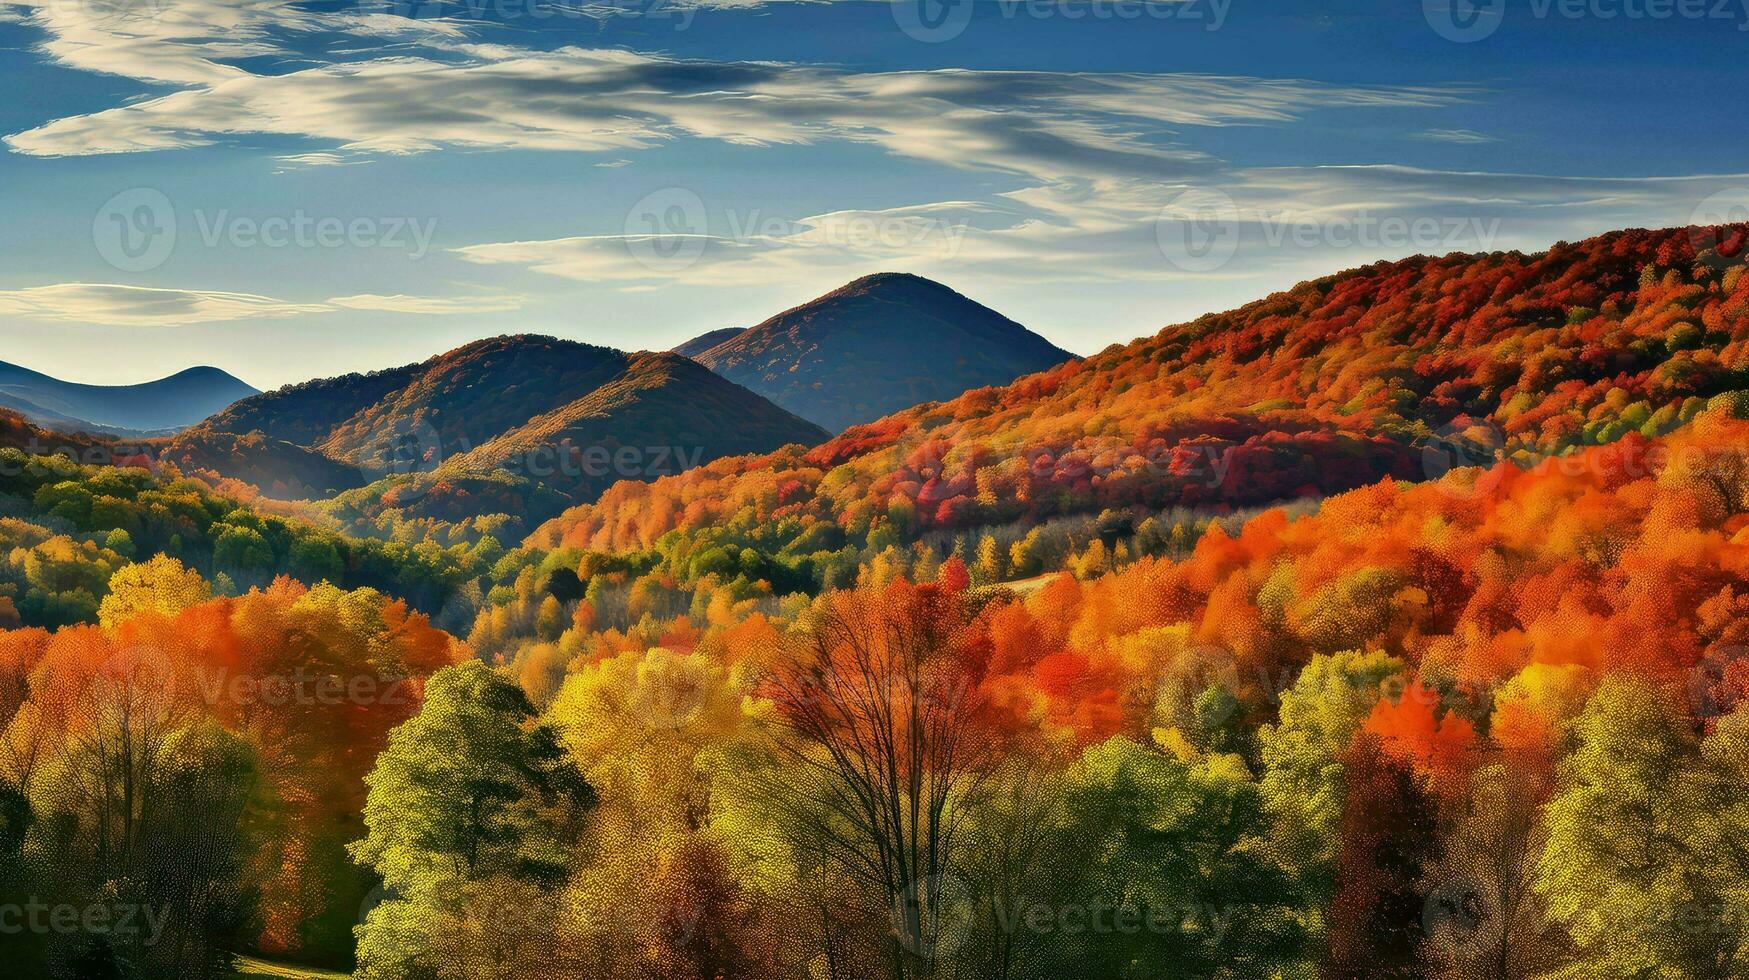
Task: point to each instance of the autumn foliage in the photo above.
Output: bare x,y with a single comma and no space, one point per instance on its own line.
1394,625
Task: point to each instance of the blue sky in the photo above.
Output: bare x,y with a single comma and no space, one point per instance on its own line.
292,190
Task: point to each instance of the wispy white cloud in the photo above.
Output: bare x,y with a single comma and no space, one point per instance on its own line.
428,305
1276,224
1454,136
318,158
440,89
112,305
1098,163
106,304
753,249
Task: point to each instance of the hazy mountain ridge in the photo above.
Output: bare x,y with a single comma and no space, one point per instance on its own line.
557,416
169,403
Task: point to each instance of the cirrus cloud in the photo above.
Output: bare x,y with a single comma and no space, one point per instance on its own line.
108,304
413,85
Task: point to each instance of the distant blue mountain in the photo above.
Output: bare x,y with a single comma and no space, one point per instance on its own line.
167,404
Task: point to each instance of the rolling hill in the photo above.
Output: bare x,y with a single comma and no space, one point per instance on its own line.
166,404
21,433
557,420
877,345
1397,369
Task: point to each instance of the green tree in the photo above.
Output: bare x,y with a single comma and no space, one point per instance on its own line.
1633,867
1302,779
120,542
473,801
1177,880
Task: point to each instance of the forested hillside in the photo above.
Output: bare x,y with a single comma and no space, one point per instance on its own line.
1421,654
501,432
1398,369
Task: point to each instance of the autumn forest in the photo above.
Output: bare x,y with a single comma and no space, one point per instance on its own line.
1394,625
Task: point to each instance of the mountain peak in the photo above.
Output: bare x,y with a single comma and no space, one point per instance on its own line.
892,280
876,345
206,372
